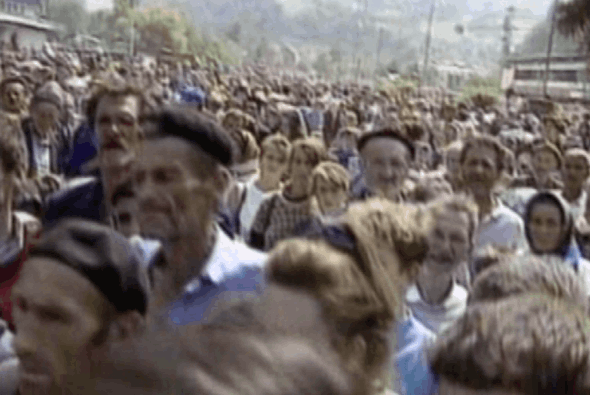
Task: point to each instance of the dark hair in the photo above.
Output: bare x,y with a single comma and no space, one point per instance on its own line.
387,132
196,129
566,220
489,142
109,89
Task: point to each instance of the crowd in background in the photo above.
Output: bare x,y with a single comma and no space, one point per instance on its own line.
168,227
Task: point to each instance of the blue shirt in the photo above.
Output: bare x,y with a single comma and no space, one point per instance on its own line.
413,368
233,272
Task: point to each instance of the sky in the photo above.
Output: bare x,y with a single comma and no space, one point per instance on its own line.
94,5
539,7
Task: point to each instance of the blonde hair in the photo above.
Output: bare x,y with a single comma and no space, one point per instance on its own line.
247,147
380,225
332,173
276,143
361,290
313,148
457,203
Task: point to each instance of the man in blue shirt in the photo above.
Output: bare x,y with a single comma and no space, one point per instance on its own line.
180,176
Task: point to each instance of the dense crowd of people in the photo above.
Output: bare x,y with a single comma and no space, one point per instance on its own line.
175,228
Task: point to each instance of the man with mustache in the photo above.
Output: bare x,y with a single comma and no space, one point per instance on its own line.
386,156
180,177
482,163
116,114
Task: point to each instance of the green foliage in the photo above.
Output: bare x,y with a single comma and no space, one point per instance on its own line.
481,86
573,19
155,28
536,41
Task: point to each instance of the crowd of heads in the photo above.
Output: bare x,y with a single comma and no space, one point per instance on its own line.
188,228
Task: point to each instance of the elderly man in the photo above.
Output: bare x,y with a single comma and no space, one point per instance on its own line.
386,156
81,293
180,177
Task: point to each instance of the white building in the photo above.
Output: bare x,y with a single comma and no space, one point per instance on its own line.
22,23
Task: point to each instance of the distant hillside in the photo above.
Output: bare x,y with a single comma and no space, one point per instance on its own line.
393,29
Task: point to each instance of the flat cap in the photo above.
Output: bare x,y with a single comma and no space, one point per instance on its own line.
387,132
184,122
103,256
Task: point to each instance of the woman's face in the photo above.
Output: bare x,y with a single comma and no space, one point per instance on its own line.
301,164
272,164
546,227
331,198
545,162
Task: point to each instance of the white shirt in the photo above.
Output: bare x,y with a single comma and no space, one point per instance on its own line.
42,155
227,258
437,318
501,228
254,197
578,206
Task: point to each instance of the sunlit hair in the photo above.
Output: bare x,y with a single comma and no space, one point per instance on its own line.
577,153
529,344
517,275
235,114
332,173
278,144
487,142
457,204
362,291
313,148
247,147
429,188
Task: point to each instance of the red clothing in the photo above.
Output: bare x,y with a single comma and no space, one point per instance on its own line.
9,273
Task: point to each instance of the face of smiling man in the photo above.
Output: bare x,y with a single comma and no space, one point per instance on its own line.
386,162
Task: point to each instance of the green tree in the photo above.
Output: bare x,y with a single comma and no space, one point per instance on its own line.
573,20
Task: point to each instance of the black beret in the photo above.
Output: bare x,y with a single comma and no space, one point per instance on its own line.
186,123
103,256
388,132
15,79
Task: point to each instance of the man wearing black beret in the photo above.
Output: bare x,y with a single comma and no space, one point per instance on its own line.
81,292
180,177
386,156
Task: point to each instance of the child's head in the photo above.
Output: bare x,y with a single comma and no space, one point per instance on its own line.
330,184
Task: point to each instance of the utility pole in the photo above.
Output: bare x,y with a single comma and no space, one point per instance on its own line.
549,47
427,44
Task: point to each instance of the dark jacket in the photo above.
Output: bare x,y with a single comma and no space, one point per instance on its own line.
61,149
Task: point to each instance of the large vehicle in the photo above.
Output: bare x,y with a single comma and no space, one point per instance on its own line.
568,77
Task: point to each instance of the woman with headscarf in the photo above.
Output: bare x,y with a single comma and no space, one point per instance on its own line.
549,229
